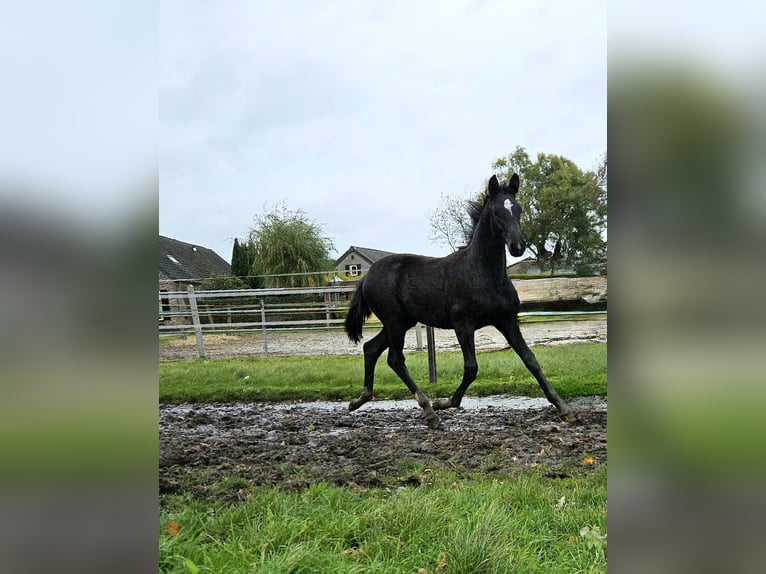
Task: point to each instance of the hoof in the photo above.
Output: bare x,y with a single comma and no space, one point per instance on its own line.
359,401
431,419
442,404
568,415
433,423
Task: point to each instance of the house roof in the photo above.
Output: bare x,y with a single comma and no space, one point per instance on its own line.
179,261
521,267
371,255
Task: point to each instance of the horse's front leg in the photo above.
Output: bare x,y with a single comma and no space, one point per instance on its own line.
512,333
470,367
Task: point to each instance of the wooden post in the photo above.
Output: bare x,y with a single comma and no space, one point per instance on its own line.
419,336
431,354
195,321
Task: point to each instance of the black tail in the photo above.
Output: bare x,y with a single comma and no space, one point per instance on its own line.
357,313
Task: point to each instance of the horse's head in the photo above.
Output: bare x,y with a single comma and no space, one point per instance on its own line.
506,213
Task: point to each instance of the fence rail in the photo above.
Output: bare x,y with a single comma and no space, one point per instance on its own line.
264,310
222,311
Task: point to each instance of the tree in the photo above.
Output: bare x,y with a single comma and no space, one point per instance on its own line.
222,282
450,222
241,264
284,242
564,209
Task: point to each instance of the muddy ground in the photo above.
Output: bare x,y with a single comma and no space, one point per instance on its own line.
216,451
202,447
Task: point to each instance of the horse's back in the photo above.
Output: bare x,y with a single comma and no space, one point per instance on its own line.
438,291
390,273
410,288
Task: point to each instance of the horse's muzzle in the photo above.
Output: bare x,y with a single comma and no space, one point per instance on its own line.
517,249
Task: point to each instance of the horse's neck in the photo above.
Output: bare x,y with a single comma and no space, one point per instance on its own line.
487,250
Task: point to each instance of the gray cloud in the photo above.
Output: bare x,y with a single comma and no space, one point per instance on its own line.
362,114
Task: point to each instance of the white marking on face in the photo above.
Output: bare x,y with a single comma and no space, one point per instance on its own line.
507,204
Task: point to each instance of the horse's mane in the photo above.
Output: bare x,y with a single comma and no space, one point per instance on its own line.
473,208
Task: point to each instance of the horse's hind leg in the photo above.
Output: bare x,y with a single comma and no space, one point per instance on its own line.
512,333
372,351
470,368
397,364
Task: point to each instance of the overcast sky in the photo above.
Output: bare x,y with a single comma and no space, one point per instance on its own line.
363,113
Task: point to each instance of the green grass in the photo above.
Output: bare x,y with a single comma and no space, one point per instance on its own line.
573,370
451,524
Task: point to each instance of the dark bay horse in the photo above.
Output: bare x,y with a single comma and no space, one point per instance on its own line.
464,291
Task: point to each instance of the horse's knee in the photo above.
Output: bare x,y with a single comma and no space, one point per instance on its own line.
470,370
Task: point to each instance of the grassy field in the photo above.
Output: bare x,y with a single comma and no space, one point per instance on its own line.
574,370
451,524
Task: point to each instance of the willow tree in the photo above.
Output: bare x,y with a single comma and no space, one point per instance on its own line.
288,249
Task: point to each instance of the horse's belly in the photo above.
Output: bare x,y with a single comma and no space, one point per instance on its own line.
431,315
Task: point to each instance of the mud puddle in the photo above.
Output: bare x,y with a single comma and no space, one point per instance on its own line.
293,445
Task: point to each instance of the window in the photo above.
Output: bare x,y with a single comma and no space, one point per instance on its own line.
353,270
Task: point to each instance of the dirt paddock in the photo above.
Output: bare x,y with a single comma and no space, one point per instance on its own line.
335,342
294,445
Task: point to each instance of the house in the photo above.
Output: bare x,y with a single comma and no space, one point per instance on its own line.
530,266
183,264
357,260
527,266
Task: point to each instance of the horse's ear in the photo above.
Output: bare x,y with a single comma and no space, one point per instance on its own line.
513,184
493,186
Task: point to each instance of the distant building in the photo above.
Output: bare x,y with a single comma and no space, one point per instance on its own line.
183,264
528,266
357,260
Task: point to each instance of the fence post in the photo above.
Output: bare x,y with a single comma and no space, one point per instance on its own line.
195,321
263,325
431,354
419,336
